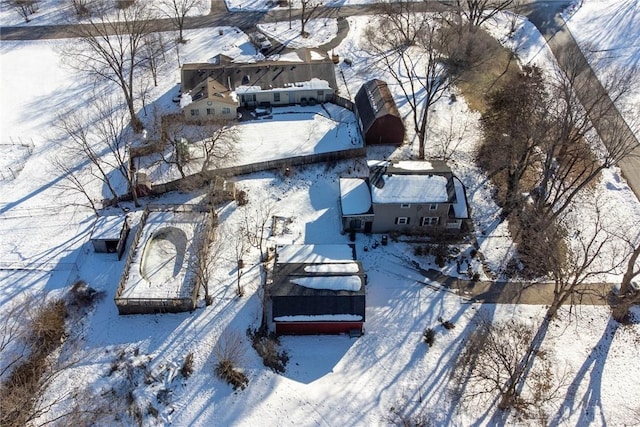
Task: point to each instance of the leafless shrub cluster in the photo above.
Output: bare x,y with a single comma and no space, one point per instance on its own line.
43,332
268,348
229,351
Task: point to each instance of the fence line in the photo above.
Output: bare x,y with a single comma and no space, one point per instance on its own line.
198,179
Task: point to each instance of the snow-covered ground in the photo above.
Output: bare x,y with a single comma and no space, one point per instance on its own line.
330,381
609,34
55,12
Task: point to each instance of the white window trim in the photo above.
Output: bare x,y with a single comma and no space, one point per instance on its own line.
405,205
433,207
429,221
402,220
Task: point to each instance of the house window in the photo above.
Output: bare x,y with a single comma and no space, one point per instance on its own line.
276,97
320,93
226,110
429,221
402,220
210,111
433,207
405,205
195,112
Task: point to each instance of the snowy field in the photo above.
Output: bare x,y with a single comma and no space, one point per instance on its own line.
332,381
55,12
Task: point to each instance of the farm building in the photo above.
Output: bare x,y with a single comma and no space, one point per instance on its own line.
110,234
316,289
378,116
408,196
162,271
217,89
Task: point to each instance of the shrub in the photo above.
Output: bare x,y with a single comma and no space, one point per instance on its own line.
241,198
429,336
226,371
267,349
229,351
448,325
187,366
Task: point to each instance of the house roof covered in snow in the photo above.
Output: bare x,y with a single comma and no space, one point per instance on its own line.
411,181
355,197
410,189
305,66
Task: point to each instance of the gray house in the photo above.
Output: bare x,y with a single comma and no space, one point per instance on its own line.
406,196
216,89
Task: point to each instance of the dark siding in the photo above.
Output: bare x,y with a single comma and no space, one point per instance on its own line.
388,130
318,305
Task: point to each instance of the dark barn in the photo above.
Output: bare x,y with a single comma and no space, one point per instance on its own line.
317,297
378,116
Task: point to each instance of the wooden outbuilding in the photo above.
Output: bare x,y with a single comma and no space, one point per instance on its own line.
110,234
378,118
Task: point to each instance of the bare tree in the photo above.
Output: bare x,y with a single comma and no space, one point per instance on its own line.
174,133
408,46
25,8
592,251
308,9
75,182
573,152
219,140
208,260
490,366
83,145
256,222
628,296
177,11
154,50
112,128
515,123
477,12
448,141
239,249
111,48
103,142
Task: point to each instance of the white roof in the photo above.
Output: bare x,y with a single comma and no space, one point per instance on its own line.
108,227
411,189
315,254
414,165
311,84
354,196
350,267
332,283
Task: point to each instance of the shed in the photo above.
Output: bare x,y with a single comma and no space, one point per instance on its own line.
317,289
378,116
110,234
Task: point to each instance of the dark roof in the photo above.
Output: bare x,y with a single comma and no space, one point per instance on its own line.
266,74
374,100
284,275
